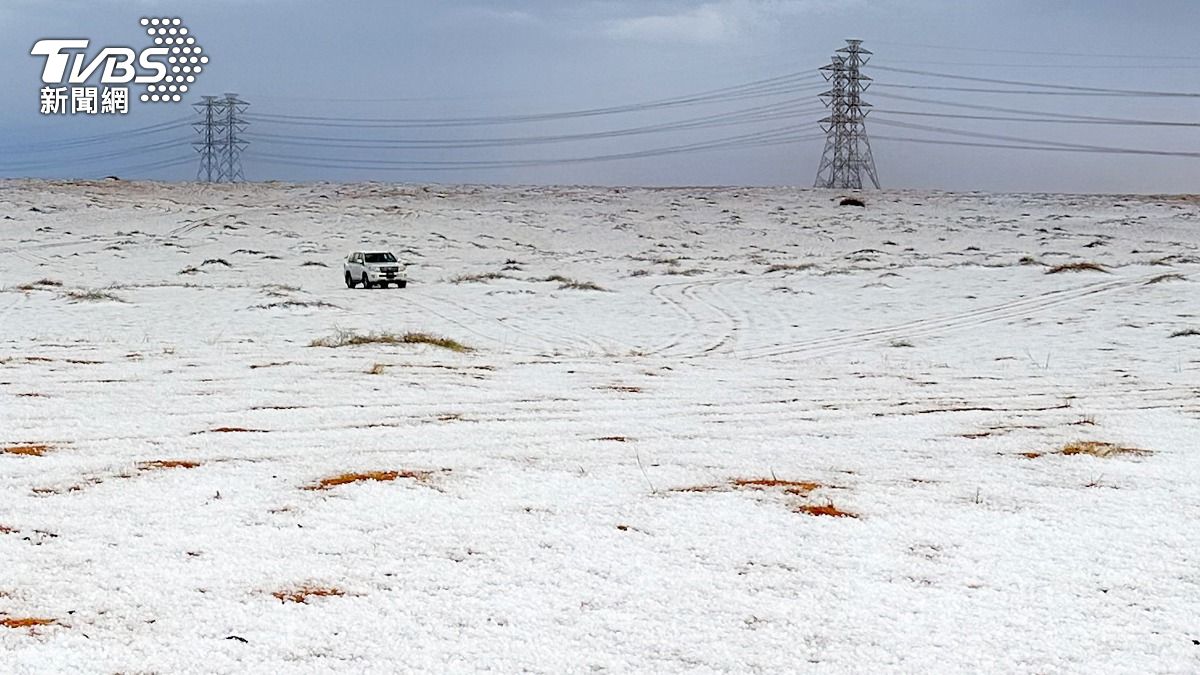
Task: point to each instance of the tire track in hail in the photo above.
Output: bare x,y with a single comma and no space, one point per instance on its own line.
935,326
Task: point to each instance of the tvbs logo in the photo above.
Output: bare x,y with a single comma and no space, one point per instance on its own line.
167,69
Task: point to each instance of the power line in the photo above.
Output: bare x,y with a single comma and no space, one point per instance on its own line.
1157,57
789,134
786,84
783,110
1035,143
1052,86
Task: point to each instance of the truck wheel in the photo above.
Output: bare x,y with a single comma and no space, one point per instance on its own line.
349,281
365,281
403,283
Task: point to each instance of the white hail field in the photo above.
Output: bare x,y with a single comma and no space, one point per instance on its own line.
777,435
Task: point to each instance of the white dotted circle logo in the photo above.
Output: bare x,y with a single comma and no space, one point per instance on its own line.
171,34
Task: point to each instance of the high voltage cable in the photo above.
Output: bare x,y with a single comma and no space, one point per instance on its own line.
1053,86
781,110
1038,148
99,138
114,154
1158,57
1019,111
787,84
770,137
1046,120
1034,143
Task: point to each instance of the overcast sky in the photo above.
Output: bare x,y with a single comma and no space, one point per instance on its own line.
462,58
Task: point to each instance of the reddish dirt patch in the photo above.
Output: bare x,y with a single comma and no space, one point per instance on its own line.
29,450
823,510
25,622
167,464
303,593
382,476
4,529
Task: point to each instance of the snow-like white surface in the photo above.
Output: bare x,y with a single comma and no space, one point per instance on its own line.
905,370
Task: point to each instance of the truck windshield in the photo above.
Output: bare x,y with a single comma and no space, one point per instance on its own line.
380,258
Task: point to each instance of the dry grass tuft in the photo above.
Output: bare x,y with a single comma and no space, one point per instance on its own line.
26,622
792,487
1166,277
1031,455
573,284
382,476
479,278
788,486
352,339
5,529
377,369
624,388
1076,267
167,464
827,509
303,593
1100,449
29,450
1186,332
92,295
786,267
615,439
233,430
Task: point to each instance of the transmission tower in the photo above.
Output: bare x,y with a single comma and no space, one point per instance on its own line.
220,146
231,165
847,156
212,131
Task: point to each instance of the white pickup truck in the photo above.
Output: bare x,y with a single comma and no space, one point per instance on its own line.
374,268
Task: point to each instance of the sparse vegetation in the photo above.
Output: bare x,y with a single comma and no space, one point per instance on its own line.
1076,267
379,476
900,344
851,201
377,369
301,594
216,261
789,267
1099,449
479,278
93,295
1186,332
1172,276
352,339
573,284
167,464
288,304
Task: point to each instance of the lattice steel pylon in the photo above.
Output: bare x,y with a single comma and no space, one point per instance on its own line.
231,165
847,156
220,146
212,134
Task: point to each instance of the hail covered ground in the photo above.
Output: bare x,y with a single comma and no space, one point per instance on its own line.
696,429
